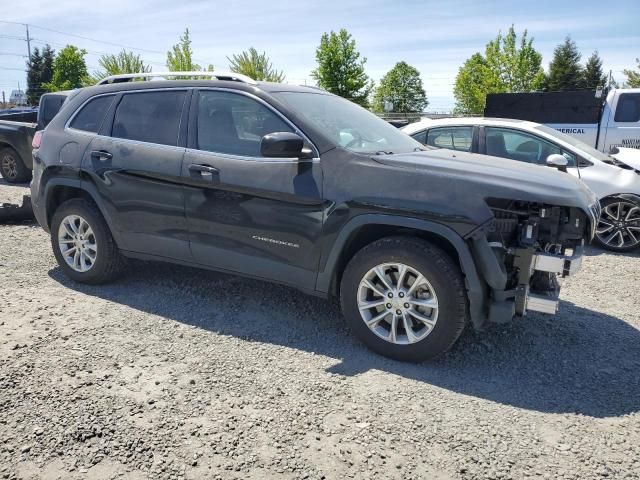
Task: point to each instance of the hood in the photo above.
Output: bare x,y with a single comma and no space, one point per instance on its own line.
629,157
495,177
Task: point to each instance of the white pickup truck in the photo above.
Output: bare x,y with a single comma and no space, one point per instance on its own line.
603,120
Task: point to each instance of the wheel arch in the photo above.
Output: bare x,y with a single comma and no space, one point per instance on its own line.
631,197
365,229
59,190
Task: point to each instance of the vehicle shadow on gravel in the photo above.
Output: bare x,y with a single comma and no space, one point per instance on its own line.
579,361
593,251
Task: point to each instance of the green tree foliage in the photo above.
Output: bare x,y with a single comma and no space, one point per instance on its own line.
255,65
593,76
565,71
402,86
180,57
69,70
123,62
39,71
633,76
340,69
506,66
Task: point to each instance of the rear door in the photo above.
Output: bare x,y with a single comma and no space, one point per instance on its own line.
135,164
246,213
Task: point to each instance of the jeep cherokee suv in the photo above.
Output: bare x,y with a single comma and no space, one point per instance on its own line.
297,186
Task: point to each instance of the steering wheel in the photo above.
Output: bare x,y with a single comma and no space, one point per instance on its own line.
357,138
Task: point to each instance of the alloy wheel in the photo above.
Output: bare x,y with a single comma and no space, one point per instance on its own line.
619,225
77,243
397,303
9,166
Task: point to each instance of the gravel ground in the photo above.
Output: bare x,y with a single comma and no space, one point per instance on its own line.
175,373
12,194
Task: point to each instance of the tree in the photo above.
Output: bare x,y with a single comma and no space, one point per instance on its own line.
123,62
39,71
69,70
34,75
565,71
180,57
340,68
255,65
506,66
593,76
402,86
633,76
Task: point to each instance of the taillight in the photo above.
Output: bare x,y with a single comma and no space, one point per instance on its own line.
37,139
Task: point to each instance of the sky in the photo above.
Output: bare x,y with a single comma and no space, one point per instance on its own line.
436,37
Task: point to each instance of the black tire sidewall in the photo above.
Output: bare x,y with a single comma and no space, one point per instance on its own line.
23,173
84,209
603,204
447,283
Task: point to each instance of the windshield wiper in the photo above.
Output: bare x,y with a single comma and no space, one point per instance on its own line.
382,152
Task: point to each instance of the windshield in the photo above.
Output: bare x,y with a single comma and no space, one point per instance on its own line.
583,147
348,125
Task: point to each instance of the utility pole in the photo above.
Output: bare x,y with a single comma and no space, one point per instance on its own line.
610,78
28,43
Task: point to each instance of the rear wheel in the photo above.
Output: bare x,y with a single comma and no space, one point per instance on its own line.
12,167
404,298
619,225
82,243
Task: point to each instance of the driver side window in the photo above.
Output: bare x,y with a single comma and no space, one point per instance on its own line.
234,124
521,146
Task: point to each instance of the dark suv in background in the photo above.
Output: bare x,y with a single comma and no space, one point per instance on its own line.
294,185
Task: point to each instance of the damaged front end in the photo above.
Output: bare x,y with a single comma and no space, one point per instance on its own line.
523,250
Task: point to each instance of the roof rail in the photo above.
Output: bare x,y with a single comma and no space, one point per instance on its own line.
128,77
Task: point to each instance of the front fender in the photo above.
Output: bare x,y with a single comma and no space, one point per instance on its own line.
475,286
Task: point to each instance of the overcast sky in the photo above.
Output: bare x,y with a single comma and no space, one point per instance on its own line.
434,36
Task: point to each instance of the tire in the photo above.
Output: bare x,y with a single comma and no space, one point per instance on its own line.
12,167
107,261
621,234
444,286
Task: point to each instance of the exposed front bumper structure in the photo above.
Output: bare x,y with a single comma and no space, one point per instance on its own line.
560,265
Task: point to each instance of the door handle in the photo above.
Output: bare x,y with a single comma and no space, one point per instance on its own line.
206,172
101,155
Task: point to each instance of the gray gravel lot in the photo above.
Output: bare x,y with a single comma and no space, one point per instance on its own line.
173,372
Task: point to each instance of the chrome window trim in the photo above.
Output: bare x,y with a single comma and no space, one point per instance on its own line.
116,93
230,156
67,125
316,155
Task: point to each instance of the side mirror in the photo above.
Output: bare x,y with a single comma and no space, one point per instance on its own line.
558,161
282,145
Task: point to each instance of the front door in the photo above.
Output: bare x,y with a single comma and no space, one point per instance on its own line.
246,213
136,164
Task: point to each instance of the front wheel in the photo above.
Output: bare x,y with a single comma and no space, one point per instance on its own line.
619,225
404,298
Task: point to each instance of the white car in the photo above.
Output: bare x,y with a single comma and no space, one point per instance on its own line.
615,181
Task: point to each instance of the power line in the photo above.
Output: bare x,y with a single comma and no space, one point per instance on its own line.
83,37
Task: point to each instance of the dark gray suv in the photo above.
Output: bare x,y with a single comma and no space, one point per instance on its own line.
294,185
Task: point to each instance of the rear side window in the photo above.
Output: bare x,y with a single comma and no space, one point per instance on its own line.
152,117
454,138
90,117
628,108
